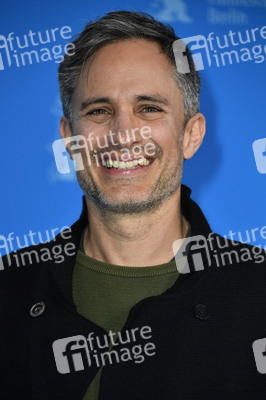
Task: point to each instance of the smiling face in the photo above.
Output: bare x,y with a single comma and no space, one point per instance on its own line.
125,87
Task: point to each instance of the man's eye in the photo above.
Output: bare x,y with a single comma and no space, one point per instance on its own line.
97,111
151,109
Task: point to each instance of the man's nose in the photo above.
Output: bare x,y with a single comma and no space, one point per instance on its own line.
127,127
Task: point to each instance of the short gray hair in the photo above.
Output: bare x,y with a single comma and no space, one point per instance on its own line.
118,26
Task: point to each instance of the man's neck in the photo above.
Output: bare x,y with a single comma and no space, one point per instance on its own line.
135,240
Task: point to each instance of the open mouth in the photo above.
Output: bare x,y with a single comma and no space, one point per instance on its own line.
122,165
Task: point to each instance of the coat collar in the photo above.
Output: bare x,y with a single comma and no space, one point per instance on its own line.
190,210
63,273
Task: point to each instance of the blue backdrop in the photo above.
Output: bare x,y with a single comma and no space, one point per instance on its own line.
228,178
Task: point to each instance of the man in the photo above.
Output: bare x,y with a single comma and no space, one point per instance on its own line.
133,311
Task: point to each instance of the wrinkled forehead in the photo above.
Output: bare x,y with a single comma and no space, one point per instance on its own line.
129,65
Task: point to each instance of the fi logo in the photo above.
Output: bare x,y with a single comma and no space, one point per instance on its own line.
259,150
71,354
199,43
79,149
195,250
259,350
4,45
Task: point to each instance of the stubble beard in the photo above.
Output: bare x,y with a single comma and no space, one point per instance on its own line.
166,185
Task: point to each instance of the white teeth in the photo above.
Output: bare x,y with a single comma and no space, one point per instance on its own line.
128,164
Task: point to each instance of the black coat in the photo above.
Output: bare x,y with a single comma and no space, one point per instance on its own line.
202,330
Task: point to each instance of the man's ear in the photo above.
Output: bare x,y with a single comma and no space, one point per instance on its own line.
193,135
65,132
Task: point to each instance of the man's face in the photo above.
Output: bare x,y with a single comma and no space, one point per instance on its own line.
127,86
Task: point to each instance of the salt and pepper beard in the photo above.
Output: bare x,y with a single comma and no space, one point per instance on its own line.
165,186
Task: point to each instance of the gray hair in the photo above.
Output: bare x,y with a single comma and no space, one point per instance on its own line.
125,25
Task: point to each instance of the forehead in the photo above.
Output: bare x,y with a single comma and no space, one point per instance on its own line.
125,68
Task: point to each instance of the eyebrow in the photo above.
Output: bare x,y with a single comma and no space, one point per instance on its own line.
143,97
152,98
94,100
